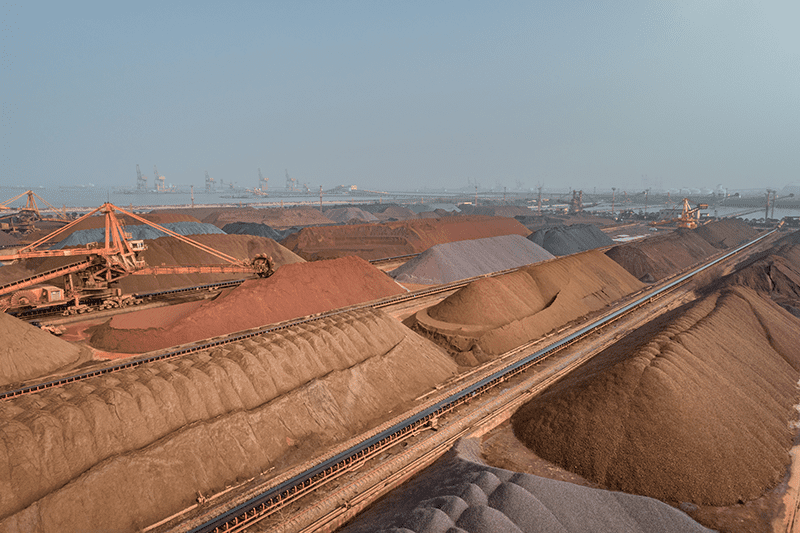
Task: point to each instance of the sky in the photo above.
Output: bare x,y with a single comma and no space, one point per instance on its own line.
402,95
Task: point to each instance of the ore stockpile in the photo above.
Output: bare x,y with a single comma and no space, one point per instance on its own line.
567,240
454,261
391,239
138,445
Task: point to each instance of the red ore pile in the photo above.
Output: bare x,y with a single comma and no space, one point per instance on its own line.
459,260
692,407
295,290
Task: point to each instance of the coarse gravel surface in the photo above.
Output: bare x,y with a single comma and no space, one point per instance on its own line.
459,493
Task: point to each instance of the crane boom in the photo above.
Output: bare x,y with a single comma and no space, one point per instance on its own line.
116,259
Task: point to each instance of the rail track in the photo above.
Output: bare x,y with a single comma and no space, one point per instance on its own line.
286,489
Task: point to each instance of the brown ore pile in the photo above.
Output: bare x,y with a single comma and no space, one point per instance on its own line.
295,290
658,257
776,273
493,315
693,407
390,239
459,493
27,352
275,217
122,451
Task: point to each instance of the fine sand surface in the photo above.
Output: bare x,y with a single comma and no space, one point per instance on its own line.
660,256
27,352
694,407
390,239
566,240
461,494
453,261
122,451
493,315
295,290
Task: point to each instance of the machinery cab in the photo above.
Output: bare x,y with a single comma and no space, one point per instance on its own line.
37,296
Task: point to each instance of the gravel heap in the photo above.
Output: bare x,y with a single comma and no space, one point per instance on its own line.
122,451
390,239
141,231
453,261
295,290
693,407
493,315
27,352
566,240
460,494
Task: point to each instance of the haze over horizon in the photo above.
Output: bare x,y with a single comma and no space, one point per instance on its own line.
403,95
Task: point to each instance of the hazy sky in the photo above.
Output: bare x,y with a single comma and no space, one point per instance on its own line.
402,94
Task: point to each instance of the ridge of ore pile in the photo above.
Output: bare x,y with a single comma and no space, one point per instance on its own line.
121,451
692,407
658,257
490,316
